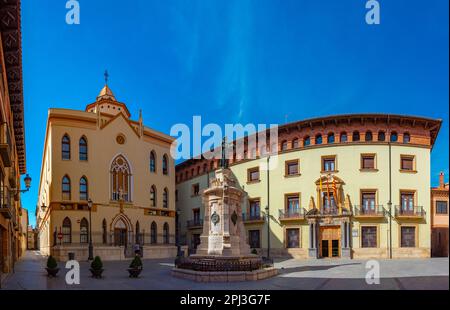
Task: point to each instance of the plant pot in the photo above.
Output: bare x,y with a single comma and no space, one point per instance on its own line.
134,272
96,273
51,272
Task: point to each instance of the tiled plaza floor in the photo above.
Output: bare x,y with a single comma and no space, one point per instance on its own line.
293,274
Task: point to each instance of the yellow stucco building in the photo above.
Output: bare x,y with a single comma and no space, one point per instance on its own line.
340,186
122,167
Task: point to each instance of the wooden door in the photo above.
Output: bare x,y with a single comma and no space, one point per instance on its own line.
330,241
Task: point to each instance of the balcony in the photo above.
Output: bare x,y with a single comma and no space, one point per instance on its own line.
193,224
410,212
252,218
5,145
369,212
5,203
292,214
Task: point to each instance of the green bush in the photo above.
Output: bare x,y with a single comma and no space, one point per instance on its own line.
254,251
97,263
51,263
136,263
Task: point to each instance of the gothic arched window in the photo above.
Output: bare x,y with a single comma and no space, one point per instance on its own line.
83,188
65,188
65,147
165,198
153,233
165,164
152,161
153,196
166,233
83,149
104,232
120,179
84,231
67,231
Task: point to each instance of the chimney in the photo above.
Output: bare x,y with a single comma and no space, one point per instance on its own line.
441,180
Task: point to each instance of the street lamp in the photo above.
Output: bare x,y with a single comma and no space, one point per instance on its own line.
27,181
91,248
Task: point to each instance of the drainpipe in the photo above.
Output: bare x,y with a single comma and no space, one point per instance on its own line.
268,207
390,196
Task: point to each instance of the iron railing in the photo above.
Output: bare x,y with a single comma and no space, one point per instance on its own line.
298,213
406,210
6,206
246,217
372,210
5,145
194,223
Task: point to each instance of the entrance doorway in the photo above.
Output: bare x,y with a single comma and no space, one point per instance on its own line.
120,234
330,241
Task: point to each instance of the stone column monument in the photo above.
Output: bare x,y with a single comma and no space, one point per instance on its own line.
223,229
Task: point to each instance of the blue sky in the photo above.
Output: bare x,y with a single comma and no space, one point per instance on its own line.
235,61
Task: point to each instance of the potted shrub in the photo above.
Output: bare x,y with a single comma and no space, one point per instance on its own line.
97,267
52,267
135,267
254,251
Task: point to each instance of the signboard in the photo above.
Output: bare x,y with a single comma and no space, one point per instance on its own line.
60,236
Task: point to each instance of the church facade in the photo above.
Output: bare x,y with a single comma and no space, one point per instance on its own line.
339,186
107,177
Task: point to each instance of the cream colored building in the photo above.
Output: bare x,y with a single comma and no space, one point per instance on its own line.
340,186
125,169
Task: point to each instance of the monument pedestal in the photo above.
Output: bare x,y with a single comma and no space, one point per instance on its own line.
223,249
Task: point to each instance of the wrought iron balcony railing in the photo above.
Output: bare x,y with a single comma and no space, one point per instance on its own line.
409,211
5,145
248,217
6,207
194,223
369,211
298,213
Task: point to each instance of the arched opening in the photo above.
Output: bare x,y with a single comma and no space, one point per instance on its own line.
166,233
67,231
120,179
166,198
381,136
295,143
406,137
152,161
84,231
104,232
343,137
165,165
65,188
153,233
306,141
330,138
355,136
83,188
394,137
369,136
65,147
83,149
319,139
120,233
153,196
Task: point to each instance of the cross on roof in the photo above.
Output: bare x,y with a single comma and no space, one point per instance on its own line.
106,77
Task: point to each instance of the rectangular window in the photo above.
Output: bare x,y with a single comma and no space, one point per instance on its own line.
292,167
441,207
253,174
196,216
292,238
253,239
407,202
408,236
368,201
292,203
407,163
254,209
329,163
369,236
367,161
195,189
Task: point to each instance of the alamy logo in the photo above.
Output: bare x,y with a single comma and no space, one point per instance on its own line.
373,273
373,15
73,275
73,15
